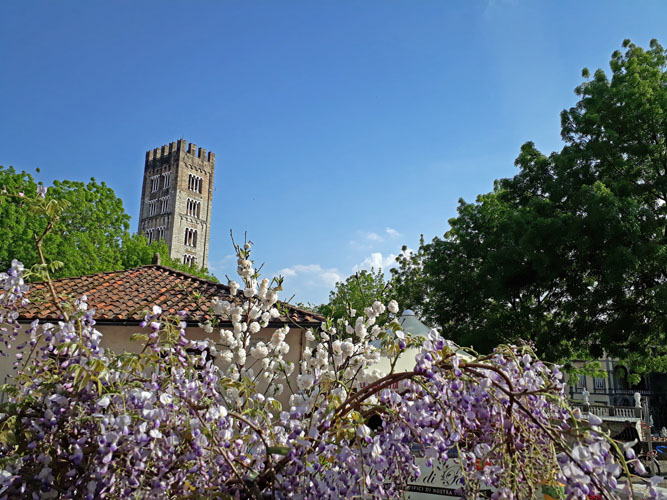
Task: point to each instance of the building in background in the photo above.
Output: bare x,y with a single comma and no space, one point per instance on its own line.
176,200
613,399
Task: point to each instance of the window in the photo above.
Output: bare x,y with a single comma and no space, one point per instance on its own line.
189,260
152,207
149,234
599,384
195,183
160,232
166,180
190,238
155,183
581,382
193,207
164,204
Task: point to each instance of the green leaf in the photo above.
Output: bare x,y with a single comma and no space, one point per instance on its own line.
277,450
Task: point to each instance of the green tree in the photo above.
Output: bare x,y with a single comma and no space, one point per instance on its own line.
91,235
409,287
136,251
355,293
571,253
200,272
17,224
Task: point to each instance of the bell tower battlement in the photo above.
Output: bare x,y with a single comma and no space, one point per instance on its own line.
176,200
177,147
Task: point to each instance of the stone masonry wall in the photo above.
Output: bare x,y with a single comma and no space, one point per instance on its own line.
180,161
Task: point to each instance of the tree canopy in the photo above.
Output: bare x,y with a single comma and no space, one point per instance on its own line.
409,288
90,236
571,253
358,291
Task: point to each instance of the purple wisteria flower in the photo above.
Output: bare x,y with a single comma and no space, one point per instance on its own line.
234,419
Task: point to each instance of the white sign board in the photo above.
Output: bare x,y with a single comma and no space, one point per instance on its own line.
441,482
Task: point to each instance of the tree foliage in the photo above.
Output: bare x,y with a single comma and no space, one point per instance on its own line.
358,291
571,253
407,283
90,236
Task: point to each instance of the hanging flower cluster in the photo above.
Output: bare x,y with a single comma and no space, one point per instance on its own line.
230,417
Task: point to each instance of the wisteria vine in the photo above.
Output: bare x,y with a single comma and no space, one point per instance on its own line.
229,417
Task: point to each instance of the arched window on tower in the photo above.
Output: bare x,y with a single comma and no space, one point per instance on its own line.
192,207
195,183
190,237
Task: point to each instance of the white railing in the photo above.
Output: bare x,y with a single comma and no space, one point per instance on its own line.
609,411
601,411
625,412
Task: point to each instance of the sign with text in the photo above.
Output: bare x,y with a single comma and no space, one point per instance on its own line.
443,481
440,482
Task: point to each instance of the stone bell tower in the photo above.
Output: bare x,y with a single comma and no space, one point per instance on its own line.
176,200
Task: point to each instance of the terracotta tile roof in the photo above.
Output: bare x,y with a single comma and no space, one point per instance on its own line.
125,296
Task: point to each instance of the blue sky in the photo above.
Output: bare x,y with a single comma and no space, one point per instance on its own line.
342,130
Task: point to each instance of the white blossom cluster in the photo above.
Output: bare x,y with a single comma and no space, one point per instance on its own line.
344,356
244,356
335,360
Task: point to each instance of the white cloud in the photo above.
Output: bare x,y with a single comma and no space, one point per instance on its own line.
330,278
315,272
373,237
376,261
392,232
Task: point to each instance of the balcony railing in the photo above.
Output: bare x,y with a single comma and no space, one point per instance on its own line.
609,411
614,392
